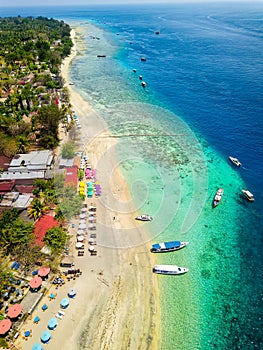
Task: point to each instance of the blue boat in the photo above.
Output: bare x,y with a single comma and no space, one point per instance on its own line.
168,246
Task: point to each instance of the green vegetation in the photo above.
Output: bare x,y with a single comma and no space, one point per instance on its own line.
31,52
68,150
56,239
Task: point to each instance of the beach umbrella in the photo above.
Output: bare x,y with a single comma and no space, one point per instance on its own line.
80,233
27,333
92,226
91,248
82,222
82,226
45,336
35,282
72,292
52,323
80,238
5,325
82,216
44,307
79,245
37,346
36,319
64,303
15,311
84,210
52,296
43,271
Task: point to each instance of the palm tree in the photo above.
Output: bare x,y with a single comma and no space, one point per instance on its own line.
37,209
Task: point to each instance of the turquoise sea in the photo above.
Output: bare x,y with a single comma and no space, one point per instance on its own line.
202,103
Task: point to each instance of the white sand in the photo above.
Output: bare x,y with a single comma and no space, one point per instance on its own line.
115,306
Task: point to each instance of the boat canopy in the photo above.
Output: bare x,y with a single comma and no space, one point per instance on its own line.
166,245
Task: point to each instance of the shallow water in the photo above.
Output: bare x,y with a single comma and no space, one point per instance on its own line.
203,69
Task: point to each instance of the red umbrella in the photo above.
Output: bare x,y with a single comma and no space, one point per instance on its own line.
35,282
15,310
43,271
5,325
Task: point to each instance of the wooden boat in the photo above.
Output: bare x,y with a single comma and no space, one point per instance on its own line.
218,197
169,269
248,195
168,246
235,161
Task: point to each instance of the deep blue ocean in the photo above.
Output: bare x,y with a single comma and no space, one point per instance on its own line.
205,67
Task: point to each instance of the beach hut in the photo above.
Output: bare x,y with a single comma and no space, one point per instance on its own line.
72,293
45,336
64,303
52,323
37,346
5,325
14,311
35,283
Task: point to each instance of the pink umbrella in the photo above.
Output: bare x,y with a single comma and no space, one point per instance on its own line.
35,282
15,310
43,271
5,325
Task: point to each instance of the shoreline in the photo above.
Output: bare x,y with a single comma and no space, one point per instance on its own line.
117,299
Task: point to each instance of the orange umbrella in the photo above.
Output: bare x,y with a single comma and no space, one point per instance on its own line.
5,325
35,282
43,271
15,310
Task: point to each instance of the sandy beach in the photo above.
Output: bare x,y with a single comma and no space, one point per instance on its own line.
116,303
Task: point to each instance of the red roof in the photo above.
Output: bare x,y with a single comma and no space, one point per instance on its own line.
24,189
6,186
72,175
4,162
41,226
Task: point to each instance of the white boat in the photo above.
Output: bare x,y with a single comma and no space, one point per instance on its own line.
235,161
248,195
143,84
168,246
144,217
169,269
218,197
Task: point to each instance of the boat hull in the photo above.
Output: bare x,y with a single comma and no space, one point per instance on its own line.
167,250
169,270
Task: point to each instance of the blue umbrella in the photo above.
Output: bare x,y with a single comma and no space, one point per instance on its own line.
52,296
64,303
27,333
44,307
52,323
46,335
37,346
72,292
36,319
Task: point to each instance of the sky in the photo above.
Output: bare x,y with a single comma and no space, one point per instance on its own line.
22,3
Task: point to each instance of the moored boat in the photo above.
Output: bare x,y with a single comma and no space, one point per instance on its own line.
143,84
168,246
218,197
235,161
144,217
170,269
248,195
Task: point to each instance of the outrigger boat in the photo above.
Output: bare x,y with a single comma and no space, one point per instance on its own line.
169,269
168,246
218,197
144,217
235,161
248,195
